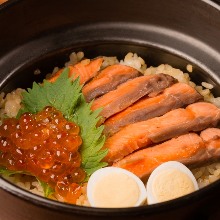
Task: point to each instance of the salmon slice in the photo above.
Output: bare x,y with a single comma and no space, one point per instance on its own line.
195,117
211,138
176,96
187,149
131,91
107,80
84,70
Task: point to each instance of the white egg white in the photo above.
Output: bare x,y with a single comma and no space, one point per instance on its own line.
151,199
99,174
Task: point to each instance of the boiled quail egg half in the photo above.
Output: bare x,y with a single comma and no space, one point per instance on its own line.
168,181
113,187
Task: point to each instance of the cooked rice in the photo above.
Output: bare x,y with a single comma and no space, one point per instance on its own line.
133,60
189,68
83,200
207,85
108,61
37,72
26,182
207,174
74,58
10,105
169,70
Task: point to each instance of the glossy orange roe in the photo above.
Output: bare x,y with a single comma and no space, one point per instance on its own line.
45,145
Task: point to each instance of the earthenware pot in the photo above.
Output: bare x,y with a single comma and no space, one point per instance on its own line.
40,34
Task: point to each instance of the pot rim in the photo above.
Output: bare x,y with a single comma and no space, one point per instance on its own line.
85,210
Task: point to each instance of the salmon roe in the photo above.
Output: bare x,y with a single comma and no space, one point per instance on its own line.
46,145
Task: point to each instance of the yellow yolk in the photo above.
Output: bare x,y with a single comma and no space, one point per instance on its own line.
170,184
116,190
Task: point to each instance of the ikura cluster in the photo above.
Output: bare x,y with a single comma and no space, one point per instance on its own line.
46,145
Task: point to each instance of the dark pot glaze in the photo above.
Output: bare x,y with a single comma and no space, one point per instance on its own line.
40,34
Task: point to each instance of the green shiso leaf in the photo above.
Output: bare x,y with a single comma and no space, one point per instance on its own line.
93,140
46,188
66,96
63,94
6,172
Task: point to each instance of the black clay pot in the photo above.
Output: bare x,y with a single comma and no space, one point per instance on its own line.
40,34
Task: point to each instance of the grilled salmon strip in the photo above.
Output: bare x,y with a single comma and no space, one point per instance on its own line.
189,149
129,92
176,96
84,70
107,80
195,117
211,138
186,149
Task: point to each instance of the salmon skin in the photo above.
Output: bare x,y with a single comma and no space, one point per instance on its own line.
131,91
84,70
176,96
189,149
195,117
107,80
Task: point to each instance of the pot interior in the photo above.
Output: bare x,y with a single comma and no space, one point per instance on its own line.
24,76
